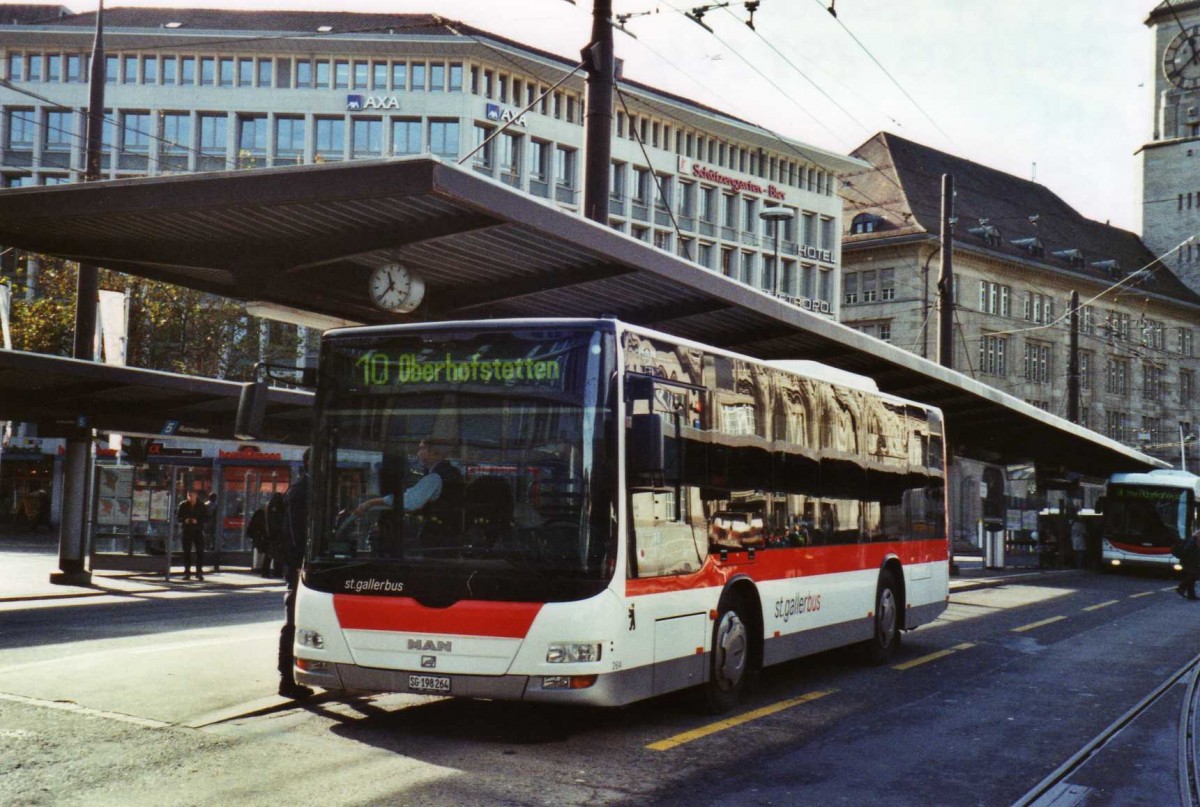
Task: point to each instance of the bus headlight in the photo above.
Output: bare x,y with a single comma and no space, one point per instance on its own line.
310,638
566,652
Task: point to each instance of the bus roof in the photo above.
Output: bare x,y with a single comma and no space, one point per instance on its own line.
802,367
1164,478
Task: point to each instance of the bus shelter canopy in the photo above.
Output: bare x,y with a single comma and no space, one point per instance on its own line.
305,238
68,397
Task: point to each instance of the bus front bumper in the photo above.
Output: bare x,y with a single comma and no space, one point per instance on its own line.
592,690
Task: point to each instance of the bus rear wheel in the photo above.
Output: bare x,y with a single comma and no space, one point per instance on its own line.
729,666
886,639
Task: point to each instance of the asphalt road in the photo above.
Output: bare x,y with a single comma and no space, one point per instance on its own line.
167,698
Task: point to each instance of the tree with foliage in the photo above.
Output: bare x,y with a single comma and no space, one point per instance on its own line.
171,328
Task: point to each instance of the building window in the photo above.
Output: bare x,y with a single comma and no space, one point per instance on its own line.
1186,386
887,284
443,138
112,69
226,72
265,72
16,64
406,136
187,70
708,204
1185,341
993,352
864,223
208,71
727,265
135,131
367,134
60,131
341,74
361,74
321,74
662,239
399,76
808,229
1039,308
437,77
994,298
484,148
705,254
245,69
252,136
75,69
176,132
129,70
1116,376
641,186
850,288
418,76
213,134
869,289
1037,362
564,166
1116,425
289,137
1152,382
510,154
1152,334
616,182
329,138
456,77
539,161
379,76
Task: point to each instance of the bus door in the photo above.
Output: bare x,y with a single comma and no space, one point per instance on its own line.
668,533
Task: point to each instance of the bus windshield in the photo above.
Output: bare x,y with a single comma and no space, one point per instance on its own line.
457,465
1146,516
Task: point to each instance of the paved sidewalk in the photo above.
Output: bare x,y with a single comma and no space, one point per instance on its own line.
28,560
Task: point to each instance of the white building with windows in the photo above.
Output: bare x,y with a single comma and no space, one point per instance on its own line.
206,90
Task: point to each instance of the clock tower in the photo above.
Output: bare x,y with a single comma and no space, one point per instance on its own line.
1171,160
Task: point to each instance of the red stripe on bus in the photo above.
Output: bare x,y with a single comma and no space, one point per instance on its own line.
779,563
1135,549
509,620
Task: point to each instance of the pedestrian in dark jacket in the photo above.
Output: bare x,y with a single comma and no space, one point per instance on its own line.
211,539
1188,552
291,554
191,515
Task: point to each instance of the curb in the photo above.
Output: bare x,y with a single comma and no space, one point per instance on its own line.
994,582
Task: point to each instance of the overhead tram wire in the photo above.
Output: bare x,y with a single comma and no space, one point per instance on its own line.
801,73
653,173
786,144
887,73
1137,274
178,148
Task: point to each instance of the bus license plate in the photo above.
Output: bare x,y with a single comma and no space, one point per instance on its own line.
434,684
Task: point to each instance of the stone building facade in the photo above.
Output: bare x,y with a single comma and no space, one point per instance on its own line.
1019,251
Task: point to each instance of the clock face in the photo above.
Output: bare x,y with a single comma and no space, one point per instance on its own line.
395,289
1181,59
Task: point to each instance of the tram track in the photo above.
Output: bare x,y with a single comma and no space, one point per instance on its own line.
1055,789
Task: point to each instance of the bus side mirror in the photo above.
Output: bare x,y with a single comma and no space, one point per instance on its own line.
1098,507
251,411
644,449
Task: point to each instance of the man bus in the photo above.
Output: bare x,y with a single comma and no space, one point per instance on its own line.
638,514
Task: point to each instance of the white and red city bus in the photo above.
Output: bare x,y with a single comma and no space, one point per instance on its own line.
622,514
1144,515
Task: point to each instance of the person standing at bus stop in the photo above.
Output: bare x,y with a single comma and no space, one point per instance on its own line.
294,533
191,515
1188,552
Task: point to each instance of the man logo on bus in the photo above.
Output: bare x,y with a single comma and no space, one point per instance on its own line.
439,646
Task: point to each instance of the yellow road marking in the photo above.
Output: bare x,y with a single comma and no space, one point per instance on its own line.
1101,605
908,665
721,725
1033,625
1142,594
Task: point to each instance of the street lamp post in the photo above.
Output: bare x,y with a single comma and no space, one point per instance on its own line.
776,215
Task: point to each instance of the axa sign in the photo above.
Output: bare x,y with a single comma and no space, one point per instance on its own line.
504,115
357,103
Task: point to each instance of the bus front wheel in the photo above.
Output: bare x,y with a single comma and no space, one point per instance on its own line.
730,658
886,638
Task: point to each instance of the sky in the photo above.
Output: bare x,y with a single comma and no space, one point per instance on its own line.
1059,92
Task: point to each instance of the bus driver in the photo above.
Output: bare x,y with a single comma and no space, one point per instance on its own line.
437,496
